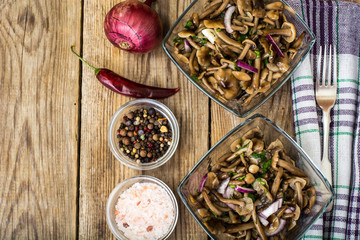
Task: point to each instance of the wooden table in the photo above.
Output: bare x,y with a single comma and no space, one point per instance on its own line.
56,169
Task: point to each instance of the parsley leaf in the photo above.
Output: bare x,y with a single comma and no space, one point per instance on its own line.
218,30
260,156
178,40
195,78
242,38
261,181
266,61
213,213
232,186
266,165
189,24
257,53
250,195
241,178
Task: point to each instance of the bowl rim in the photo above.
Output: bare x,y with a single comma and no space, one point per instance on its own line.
167,51
300,150
139,178
174,127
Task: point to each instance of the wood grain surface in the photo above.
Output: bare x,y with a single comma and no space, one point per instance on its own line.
56,169
39,119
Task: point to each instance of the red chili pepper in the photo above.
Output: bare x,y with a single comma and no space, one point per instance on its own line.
150,145
126,87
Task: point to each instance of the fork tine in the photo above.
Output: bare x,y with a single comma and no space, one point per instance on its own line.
325,67
334,67
329,66
318,69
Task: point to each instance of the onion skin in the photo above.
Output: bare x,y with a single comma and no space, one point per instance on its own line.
133,26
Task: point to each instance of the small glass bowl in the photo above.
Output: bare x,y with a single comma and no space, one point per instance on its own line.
124,185
115,124
324,192
233,105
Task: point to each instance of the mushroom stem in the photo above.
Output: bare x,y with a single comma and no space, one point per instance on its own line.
299,194
210,204
240,227
277,31
256,76
277,181
244,51
220,9
222,35
291,168
258,225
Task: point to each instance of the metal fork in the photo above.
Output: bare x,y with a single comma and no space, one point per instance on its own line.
325,92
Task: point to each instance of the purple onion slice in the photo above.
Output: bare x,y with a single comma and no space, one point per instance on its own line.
276,48
271,209
244,189
202,183
223,185
227,19
246,66
187,46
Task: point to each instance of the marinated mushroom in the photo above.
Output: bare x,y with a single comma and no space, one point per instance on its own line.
229,31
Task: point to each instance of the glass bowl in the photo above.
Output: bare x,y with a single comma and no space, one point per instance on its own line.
324,192
121,187
115,124
233,105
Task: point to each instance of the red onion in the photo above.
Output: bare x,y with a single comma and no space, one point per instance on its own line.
290,210
202,183
187,46
276,48
133,26
244,189
263,221
280,228
229,191
246,66
271,209
232,206
227,19
223,185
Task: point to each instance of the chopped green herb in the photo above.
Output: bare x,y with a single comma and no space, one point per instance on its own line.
195,78
218,30
225,214
210,53
260,156
257,53
232,186
222,15
237,68
242,217
213,213
232,196
188,24
142,137
241,178
266,165
242,38
269,53
265,192
266,61
250,195
243,154
194,37
262,28
178,40
203,41
250,30
261,181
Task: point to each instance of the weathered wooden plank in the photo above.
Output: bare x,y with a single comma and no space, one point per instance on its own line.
100,171
278,109
39,92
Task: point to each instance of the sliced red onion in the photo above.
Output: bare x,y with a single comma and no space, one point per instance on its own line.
209,34
246,66
276,48
232,206
263,221
271,209
227,19
202,183
280,228
229,191
290,210
244,189
187,46
223,185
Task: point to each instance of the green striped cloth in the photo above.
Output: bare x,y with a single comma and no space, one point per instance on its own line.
334,23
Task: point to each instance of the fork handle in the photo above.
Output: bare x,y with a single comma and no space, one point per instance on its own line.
325,163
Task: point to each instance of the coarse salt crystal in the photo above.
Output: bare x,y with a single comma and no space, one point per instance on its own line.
144,211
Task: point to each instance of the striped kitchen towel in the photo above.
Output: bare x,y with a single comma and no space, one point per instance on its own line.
337,23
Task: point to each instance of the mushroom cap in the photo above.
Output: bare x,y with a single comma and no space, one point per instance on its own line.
228,83
249,41
297,180
242,76
214,24
234,146
272,67
203,56
253,133
273,15
259,13
297,212
247,209
186,33
274,6
290,26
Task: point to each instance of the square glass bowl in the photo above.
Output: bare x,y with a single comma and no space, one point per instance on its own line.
233,105
324,192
